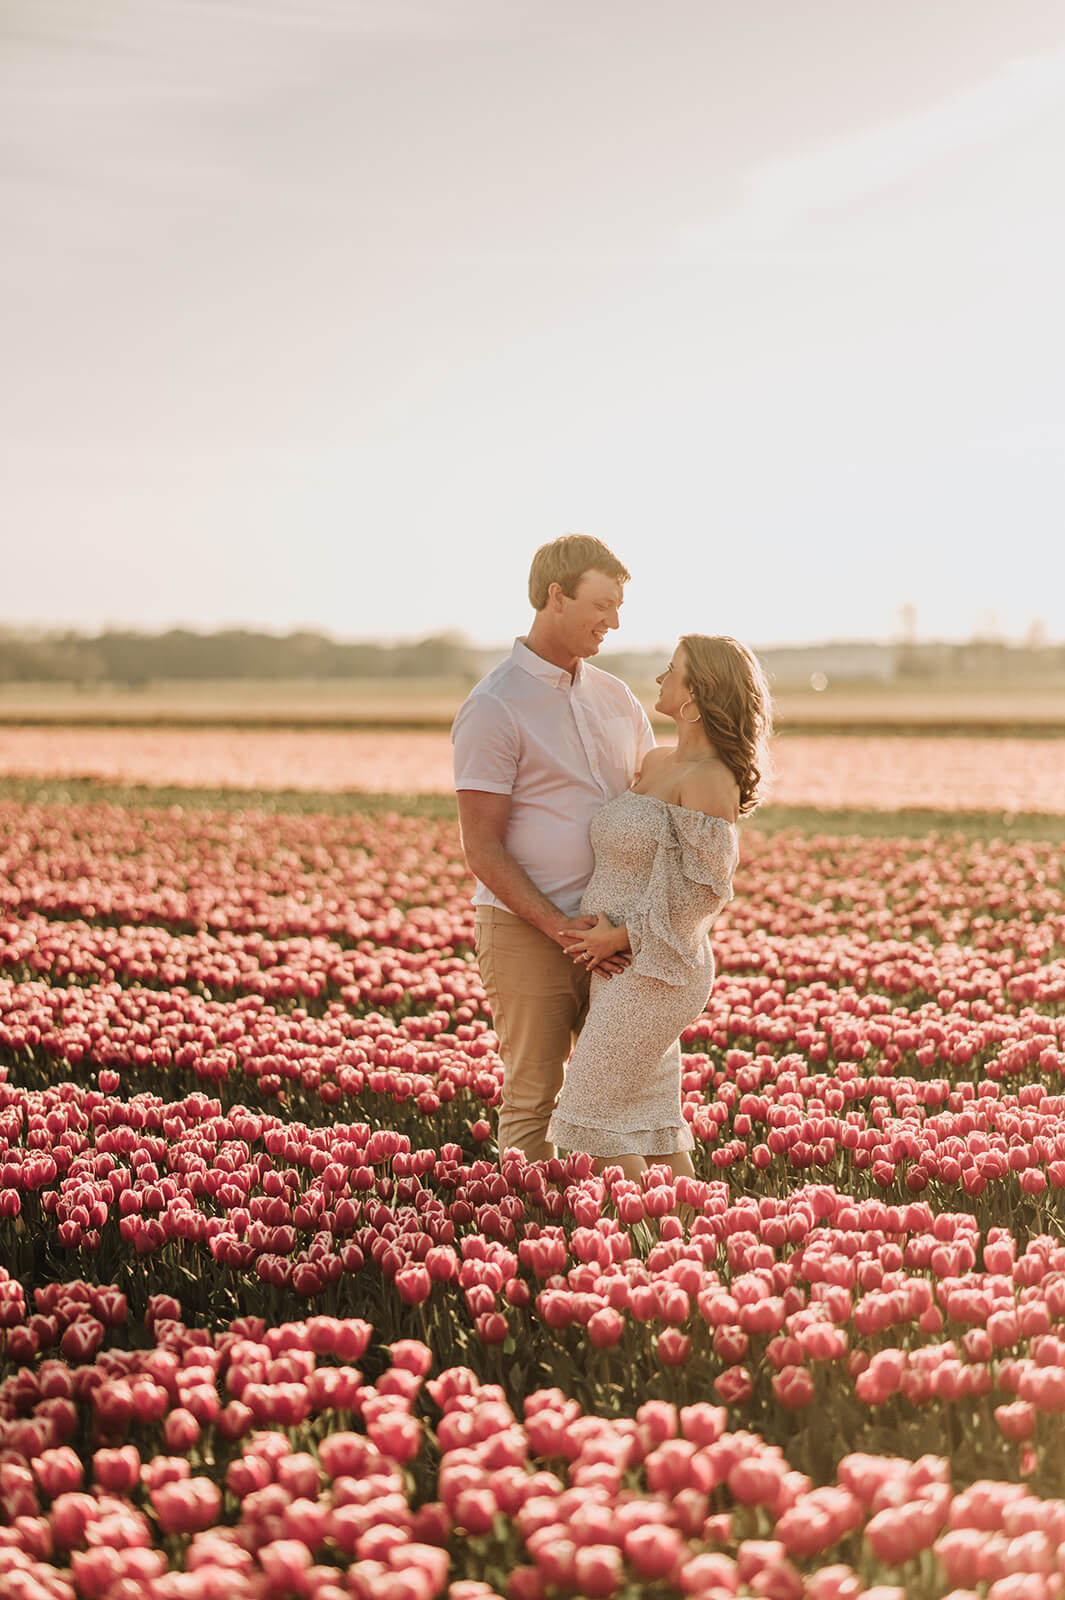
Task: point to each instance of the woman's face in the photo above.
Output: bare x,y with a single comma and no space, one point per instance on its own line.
672,684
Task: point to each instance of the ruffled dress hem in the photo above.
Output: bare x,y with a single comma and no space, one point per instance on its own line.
615,1142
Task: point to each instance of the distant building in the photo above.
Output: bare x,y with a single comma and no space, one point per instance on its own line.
989,661
859,661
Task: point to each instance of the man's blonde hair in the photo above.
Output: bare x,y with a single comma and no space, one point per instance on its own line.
565,561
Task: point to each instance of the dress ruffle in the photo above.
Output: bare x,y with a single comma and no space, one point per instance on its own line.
667,931
610,1142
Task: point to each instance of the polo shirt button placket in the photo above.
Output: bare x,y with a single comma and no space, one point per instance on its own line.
587,742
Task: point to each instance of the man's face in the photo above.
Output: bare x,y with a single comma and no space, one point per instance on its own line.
585,618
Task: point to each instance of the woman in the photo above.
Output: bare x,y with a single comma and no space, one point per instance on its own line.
665,852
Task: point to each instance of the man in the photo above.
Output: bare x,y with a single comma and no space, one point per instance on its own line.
541,744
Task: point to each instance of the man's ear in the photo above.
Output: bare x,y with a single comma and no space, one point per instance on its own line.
555,596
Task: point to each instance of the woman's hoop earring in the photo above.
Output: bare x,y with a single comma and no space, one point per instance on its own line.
698,717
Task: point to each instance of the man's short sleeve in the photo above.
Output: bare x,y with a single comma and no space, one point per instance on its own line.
486,746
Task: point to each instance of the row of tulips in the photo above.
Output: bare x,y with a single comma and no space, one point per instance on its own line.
885,1100
246,1072
281,876
358,878
969,1040
307,972
200,1474
312,971
773,1303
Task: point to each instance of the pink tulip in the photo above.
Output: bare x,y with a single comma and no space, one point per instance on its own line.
475,1510
82,1339
793,1387
654,1552
298,1474
734,1385
605,1328
180,1430
70,1516
187,1505
598,1570
284,1561
1016,1421
117,1470
397,1435
410,1355
756,1480
709,1574
837,1582
673,1347
58,1471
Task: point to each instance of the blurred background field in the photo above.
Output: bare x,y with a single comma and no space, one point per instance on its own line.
921,824
251,678
878,728
1004,775
933,706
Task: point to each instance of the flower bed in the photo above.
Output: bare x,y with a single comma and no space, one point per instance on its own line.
882,772
276,1320
233,1463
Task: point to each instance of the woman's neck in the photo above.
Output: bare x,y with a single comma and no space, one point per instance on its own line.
692,743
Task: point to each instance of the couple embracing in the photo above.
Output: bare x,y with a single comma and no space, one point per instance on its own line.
602,861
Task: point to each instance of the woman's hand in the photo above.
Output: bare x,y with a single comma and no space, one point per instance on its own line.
594,946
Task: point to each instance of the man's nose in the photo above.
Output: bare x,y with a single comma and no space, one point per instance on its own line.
613,621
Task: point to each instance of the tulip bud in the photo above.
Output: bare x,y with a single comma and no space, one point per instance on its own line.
82,1339
285,1561
793,1387
413,1284
118,1470
188,1505
180,1430
475,1510
598,1568
1017,1421
70,1515
674,1347
58,1471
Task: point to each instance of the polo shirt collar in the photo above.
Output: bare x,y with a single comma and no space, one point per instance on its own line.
546,671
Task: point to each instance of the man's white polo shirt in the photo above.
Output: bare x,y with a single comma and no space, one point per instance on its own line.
561,749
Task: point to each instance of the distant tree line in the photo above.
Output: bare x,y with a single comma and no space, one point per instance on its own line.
138,659
141,658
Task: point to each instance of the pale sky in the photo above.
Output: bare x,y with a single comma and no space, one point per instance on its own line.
328,312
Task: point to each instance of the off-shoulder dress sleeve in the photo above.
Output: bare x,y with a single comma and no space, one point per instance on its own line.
689,882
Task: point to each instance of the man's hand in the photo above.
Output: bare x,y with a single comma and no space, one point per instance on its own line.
612,965
569,929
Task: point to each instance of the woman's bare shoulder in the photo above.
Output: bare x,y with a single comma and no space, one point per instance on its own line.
711,788
656,756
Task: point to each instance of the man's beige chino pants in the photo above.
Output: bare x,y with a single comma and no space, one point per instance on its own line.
539,999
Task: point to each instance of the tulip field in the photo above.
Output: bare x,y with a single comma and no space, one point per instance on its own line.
277,1319
962,773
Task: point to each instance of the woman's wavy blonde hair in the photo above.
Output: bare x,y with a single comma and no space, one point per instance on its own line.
729,688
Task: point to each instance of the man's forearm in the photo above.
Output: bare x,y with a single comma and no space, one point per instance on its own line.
508,881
